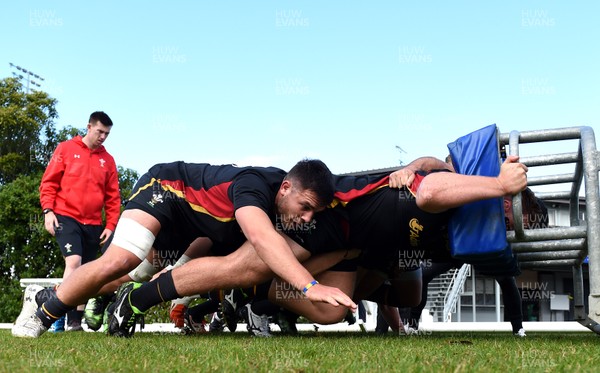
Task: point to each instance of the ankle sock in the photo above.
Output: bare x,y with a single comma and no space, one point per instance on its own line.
52,310
154,292
74,317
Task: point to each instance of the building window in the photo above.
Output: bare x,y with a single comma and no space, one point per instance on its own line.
485,292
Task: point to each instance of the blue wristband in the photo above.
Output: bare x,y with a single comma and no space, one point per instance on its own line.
310,285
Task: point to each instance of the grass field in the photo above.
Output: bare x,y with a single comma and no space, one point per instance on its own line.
310,352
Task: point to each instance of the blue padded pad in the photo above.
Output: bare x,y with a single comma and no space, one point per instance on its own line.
477,231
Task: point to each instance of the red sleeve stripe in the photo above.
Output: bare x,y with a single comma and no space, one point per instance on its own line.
213,201
346,197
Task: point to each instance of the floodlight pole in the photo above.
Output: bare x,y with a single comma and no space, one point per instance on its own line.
28,75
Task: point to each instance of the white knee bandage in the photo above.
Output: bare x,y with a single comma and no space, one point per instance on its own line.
143,272
133,237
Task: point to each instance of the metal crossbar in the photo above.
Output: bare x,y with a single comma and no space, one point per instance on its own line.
560,246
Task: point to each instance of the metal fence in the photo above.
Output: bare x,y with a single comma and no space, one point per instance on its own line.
563,246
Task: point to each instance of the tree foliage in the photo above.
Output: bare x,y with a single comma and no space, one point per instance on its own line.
127,180
27,131
28,138
28,250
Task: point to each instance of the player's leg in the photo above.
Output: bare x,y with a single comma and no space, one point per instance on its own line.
368,281
95,309
242,268
429,272
132,240
200,247
90,249
512,303
70,238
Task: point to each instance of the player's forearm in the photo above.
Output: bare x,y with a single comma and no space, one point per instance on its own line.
271,247
278,256
439,192
442,191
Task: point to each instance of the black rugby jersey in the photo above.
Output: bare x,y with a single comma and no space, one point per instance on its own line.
329,229
349,188
200,200
389,220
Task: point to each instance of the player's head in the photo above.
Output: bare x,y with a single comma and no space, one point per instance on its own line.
102,117
98,129
449,161
307,188
535,213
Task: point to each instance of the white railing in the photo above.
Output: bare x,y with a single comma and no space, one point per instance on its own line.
454,290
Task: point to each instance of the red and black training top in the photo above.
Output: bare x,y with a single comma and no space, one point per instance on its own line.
330,229
349,188
193,200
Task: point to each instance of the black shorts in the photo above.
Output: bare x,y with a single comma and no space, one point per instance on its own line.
167,208
220,249
180,225
75,238
168,249
346,266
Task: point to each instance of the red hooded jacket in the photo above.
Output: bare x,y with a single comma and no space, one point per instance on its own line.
79,181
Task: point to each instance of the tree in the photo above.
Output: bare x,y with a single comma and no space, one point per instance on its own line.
27,248
127,180
27,132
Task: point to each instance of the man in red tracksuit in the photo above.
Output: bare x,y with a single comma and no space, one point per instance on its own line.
80,180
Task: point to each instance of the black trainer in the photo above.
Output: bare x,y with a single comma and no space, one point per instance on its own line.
232,302
123,320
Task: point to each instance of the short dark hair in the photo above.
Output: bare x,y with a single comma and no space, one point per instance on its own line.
534,209
100,116
314,175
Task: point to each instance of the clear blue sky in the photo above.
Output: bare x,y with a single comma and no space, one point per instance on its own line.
271,82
